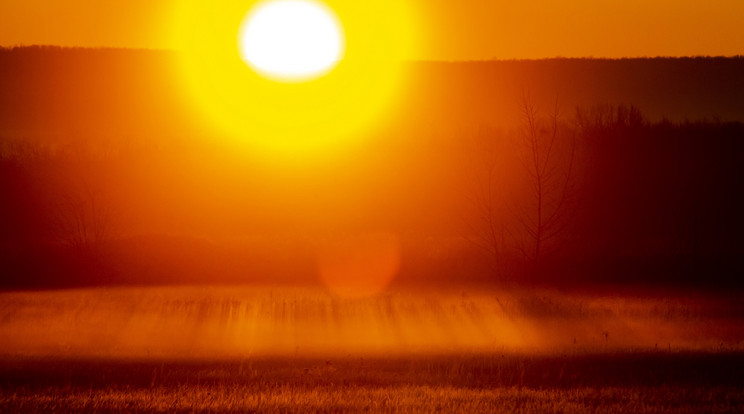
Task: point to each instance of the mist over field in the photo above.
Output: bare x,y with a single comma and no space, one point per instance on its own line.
278,349
190,323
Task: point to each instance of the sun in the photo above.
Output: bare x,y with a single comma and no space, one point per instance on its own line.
293,80
291,40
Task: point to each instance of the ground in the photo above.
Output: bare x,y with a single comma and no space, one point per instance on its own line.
244,349
611,383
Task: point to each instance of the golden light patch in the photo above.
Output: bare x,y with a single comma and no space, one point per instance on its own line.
309,119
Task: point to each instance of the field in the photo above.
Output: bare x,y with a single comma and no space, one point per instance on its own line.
277,349
636,382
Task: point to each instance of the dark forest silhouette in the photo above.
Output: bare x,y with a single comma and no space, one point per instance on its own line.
91,140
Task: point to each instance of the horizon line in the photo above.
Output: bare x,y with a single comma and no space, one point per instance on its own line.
417,60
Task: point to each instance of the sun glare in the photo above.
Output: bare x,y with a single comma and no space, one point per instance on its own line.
291,40
299,80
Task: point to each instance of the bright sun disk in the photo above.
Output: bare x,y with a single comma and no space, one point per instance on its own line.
294,80
291,40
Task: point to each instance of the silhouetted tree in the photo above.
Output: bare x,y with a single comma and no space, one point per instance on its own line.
548,159
83,217
487,229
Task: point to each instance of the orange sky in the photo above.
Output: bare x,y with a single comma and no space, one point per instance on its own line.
452,30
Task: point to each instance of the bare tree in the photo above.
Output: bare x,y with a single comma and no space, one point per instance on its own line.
487,229
526,214
548,159
83,218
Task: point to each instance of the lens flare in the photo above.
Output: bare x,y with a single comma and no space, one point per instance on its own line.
360,266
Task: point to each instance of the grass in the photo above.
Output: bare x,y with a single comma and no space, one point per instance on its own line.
386,399
635,382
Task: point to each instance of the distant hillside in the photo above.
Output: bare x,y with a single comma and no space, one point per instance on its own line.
53,93
490,92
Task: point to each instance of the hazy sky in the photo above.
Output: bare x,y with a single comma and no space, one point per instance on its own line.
450,30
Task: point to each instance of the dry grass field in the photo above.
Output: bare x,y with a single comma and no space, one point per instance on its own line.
611,383
279,349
